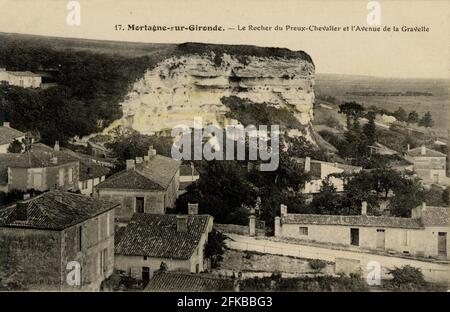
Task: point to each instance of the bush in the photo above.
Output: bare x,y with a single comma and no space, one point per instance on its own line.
215,247
317,264
407,275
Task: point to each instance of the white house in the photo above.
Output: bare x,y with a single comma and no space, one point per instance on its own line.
425,234
24,79
320,170
430,165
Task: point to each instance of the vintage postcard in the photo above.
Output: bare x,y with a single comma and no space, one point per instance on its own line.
224,146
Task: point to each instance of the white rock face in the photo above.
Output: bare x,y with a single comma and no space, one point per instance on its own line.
181,88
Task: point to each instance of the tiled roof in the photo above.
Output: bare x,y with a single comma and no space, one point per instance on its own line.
435,216
23,73
90,171
7,135
156,235
156,173
188,282
316,166
55,210
36,157
355,220
428,152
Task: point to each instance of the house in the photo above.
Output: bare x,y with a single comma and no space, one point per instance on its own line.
147,185
424,234
45,238
40,168
321,170
91,175
188,175
23,79
188,282
8,135
430,165
151,241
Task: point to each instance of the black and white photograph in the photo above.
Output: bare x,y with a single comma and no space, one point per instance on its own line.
224,146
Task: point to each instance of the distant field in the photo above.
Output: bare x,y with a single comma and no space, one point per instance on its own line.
438,103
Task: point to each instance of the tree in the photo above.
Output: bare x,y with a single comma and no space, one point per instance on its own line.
445,196
15,147
426,120
413,117
215,248
408,194
352,110
369,129
328,201
400,114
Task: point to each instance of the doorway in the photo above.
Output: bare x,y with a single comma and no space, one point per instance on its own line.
354,237
381,239
145,275
140,204
442,244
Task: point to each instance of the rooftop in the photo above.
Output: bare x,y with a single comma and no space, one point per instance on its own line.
89,170
154,174
431,216
8,134
188,282
156,235
423,151
23,73
316,167
55,210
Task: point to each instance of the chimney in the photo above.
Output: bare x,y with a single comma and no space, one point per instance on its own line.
192,209
26,196
139,160
423,150
408,147
283,210
6,124
364,208
182,223
307,164
130,164
22,211
56,147
151,151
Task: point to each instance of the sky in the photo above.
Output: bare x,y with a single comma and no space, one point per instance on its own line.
384,54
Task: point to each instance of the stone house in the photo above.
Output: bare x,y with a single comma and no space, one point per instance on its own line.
147,185
43,239
424,234
23,79
8,135
320,170
40,168
430,165
150,241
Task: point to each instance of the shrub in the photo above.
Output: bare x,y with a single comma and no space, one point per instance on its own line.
407,275
317,264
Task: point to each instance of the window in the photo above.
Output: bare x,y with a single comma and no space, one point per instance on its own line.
145,258
303,230
84,185
80,238
140,204
36,180
61,177
354,237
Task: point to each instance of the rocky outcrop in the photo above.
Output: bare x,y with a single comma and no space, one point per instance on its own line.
186,86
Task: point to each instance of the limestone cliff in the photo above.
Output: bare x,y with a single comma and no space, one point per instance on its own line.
191,84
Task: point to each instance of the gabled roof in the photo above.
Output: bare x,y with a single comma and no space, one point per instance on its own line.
153,174
55,210
156,235
188,282
8,135
417,152
353,220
